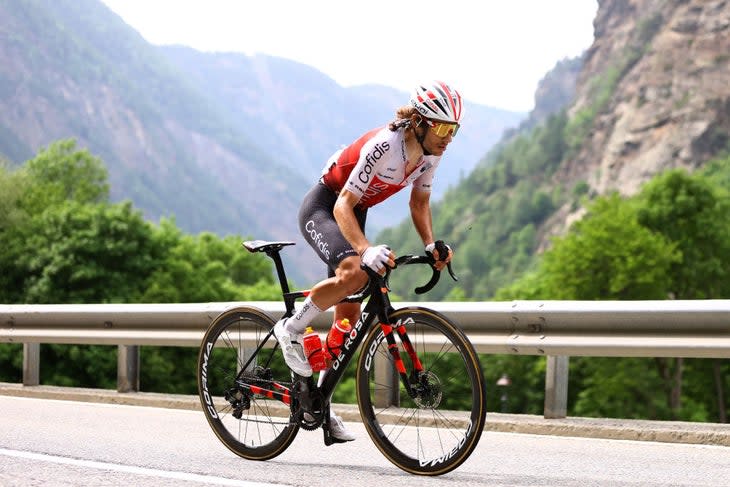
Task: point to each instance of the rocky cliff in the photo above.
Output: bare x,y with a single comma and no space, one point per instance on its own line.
654,92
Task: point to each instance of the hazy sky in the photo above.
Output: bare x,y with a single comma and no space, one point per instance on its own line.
494,51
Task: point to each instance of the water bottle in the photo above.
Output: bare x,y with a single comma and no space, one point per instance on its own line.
336,337
313,350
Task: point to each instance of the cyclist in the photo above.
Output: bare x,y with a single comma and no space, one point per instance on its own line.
332,215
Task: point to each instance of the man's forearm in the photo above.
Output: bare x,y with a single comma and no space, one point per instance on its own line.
421,216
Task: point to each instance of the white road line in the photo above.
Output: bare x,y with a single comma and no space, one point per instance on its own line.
152,472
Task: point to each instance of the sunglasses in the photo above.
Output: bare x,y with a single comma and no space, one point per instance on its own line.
442,129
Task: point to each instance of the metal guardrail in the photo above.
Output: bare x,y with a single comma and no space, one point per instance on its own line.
556,329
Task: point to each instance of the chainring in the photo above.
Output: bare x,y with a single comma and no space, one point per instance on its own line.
307,405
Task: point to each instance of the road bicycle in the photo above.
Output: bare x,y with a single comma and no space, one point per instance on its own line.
420,387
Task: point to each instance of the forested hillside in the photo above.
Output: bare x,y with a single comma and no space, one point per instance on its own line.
652,95
62,241
72,69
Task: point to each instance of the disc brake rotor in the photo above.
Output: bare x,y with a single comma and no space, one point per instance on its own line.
428,391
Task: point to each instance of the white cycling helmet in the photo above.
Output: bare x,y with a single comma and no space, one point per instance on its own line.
438,101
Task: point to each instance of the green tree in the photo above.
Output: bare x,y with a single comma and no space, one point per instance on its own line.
58,175
12,217
605,255
12,188
609,255
83,253
610,387
670,240
63,173
689,211
79,365
205,268
61,241
718,171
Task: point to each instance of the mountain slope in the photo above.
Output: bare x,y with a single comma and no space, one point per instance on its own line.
652,95
73,69
660,69
224,142
300,116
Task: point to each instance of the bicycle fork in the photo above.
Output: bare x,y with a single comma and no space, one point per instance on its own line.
417,372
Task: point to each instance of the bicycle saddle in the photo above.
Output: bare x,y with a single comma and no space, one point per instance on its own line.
264,246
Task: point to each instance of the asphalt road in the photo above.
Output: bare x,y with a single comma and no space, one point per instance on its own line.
66,443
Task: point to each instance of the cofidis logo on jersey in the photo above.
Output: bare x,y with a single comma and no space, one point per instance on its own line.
374,156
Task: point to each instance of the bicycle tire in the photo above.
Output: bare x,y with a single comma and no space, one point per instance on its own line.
436,431
264,428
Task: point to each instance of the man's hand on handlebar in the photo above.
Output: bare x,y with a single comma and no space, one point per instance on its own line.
378,257
391,263
441,252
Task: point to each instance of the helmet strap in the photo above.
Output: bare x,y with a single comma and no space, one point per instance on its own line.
421,138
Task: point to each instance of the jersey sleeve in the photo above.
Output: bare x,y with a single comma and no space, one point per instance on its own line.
424,182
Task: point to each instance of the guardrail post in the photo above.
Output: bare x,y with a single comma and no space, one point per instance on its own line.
384,370
556,387
31,364
128,368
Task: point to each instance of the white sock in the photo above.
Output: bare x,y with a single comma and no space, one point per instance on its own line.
302,319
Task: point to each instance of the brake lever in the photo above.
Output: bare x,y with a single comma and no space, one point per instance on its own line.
451,272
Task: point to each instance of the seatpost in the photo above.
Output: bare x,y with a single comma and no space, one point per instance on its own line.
274,254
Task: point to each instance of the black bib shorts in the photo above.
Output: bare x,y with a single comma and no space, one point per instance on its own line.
317,224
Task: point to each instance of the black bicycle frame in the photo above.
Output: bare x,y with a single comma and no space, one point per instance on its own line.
378,306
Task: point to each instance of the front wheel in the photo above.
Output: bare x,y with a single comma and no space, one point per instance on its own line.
435,428
244,384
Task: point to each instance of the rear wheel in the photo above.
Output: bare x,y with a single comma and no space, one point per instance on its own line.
244,384
434,430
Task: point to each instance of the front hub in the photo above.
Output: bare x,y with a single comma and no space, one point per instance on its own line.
428,391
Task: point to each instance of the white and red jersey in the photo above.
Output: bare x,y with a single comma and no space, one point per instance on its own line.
374,167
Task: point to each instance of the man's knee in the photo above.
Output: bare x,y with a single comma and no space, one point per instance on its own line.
351,277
